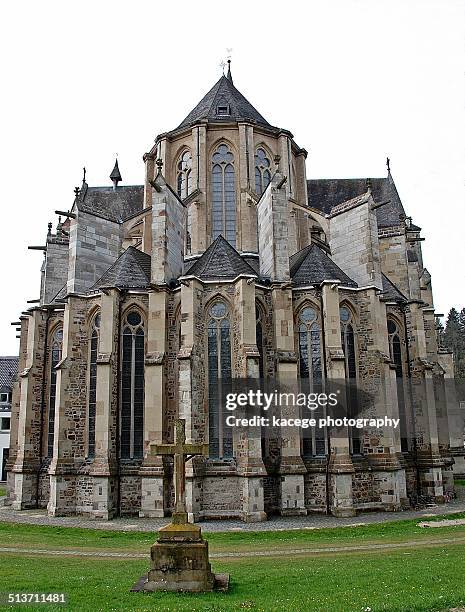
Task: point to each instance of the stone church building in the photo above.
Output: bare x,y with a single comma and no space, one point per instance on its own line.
228,262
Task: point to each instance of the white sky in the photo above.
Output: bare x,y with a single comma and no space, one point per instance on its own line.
354,80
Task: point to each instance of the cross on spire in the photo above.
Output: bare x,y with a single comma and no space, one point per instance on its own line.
181,451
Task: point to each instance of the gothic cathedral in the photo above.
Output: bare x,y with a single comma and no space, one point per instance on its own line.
228,262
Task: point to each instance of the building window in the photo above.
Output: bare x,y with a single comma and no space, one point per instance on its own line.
223,195
132,387
184,175
395,350
5,397
311,373
219,373
5,423
56,348
262,171
94,338
348,347
223,109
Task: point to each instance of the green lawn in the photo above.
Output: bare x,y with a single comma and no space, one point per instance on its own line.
2,490
428,578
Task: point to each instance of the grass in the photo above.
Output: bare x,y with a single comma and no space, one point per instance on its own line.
12,534
459,482
430,579
2,491
426,579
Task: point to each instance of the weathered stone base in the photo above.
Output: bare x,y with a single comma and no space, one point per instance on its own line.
22,490
179,562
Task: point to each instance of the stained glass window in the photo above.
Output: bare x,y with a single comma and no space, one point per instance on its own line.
350,358
223,195
184,175
132,386
311,374
56,348
395,349
262,171
94,338
219,372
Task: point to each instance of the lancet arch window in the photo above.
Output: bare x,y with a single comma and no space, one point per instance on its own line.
396,354
132,386
219,374
262,170
311,373
92,396
223,194
184,174
350,359
56,348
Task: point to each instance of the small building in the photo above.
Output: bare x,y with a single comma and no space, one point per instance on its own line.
8,372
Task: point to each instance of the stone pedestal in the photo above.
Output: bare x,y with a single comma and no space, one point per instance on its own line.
179,563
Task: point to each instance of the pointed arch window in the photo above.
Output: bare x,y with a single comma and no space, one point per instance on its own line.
56,348
262,171
219,373
91,408
132,386
311,373
223,194
396,354
350,359
259,318
184,174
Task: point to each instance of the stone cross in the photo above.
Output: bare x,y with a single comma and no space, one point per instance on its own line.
181,452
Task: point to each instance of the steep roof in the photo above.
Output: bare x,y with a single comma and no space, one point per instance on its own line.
390,291
8,370
324,194
130,271
224,93
220,261
109,203
312,266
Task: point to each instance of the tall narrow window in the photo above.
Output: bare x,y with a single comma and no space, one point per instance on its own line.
262,171
184,175
93,351
56,348
223,195
219,372
132,387
348,346
311,374
395,349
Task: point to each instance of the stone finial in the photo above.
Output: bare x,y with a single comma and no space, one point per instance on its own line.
76,192
159,163
228,74
49,232
84,171
368,183
388,164
59,226
115,175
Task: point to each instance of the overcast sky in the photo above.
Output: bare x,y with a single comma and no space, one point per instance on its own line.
354,80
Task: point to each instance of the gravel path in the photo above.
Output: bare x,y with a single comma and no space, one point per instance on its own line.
312,521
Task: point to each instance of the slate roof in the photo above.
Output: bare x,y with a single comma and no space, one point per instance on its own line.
8,371
220,261
324,194
312,266
130,271
223,93
391,292
113,204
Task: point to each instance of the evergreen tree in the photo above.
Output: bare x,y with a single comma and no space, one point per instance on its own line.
454,339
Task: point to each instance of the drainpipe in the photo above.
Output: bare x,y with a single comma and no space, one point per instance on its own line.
409,373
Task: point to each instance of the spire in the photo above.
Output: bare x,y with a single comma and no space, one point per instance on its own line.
229,75
115,175
388,164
